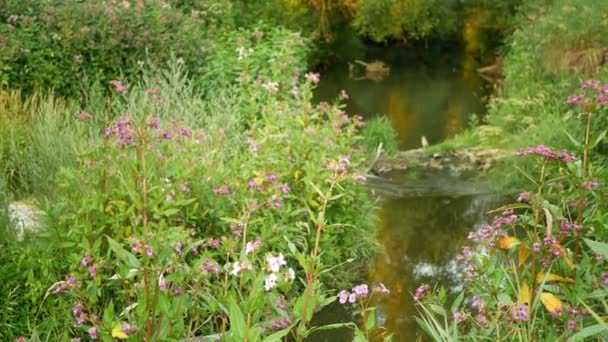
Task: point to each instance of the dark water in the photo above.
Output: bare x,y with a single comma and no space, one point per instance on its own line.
429,92
424,220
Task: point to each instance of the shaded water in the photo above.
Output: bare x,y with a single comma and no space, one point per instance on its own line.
423,220
429,92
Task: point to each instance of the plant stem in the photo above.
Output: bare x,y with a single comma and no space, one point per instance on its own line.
311,276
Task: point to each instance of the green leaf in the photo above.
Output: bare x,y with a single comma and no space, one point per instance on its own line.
237,320
123,254
108,314
457,302
277,336
574,141
349,325
599,138
598,247
359,336
588,332
371,320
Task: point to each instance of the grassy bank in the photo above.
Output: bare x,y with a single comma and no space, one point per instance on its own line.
189,184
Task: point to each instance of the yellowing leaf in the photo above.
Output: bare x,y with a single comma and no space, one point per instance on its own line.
564,255
552,277
508,242
551,303
524,293
119,334
524,253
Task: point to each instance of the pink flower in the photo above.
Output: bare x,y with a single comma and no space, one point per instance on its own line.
93,332
275,263
343,296
380,288
344,95
361,290
84,116
591,184
85,261
524,197
119,87
421,292
92,271
270,282
520,313
313,77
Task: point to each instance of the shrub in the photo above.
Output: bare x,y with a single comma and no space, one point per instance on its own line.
538,272
57,45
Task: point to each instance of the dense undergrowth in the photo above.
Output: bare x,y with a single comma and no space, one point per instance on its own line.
538,272
190,186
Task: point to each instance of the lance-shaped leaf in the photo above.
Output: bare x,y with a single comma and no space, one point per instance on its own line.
508,242
551,302
540,277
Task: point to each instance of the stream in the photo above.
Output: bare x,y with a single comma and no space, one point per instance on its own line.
432,93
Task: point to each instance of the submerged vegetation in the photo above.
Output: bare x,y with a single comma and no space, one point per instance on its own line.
190,186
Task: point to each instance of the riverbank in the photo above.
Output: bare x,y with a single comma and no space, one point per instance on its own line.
537,272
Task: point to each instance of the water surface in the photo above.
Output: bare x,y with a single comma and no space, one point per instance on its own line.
424,219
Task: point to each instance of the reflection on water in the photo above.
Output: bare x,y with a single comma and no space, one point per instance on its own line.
424,218
421,237
428,92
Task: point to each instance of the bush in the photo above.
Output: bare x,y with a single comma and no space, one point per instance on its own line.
538,272
58,45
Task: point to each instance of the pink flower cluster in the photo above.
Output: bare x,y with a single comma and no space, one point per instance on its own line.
359,292
548,153
421,292
591,92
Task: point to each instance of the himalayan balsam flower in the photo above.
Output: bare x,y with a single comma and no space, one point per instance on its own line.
524,197
361,290
126,328
270,282
236,269
421,292
92,271
357,177
162,284
222,190
313,77
119,87
85,261
605,279
93,332
591,184
275,263
547,153
290,274
520,313
571,325
284,188
380,288
344,95
343,296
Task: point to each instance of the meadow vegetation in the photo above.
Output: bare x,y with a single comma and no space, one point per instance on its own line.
192,187
538,271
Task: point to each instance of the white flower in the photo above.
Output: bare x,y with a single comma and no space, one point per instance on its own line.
236,269
270,282
290,274
272,87
275,263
